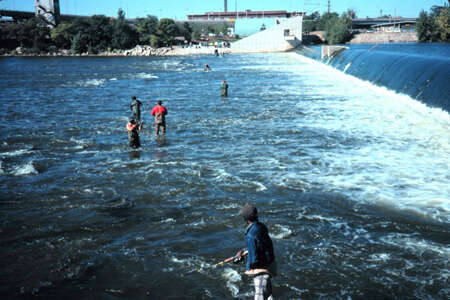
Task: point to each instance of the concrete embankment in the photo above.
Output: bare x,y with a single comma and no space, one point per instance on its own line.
384,37
331,51
319,37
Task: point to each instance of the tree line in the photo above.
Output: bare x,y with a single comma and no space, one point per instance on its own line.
100,33
93,35
336,28
434,26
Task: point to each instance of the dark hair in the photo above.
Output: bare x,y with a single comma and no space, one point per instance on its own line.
133,98
159,102
249,212
132,121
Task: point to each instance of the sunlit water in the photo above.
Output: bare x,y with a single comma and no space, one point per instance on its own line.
350,178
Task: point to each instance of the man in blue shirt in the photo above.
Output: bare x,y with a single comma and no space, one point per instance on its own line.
261,258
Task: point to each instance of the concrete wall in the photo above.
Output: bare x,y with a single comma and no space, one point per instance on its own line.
273,39
384,37
331,51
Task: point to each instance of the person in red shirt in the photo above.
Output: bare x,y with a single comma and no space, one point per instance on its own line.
159,112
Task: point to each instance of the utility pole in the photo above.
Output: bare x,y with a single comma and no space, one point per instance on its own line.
328,6
225,9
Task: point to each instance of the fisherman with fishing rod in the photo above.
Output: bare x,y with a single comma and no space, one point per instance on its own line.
134,126
133,129
135,107
261,258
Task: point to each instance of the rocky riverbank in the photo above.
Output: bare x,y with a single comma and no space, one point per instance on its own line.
139,50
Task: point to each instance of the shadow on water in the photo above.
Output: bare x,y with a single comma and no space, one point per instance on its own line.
134,154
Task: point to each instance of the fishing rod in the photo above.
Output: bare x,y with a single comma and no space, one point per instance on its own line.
145,113
237,256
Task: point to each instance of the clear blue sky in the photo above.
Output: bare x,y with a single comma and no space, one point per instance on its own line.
178,9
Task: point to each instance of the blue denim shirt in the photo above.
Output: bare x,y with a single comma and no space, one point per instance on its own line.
259,246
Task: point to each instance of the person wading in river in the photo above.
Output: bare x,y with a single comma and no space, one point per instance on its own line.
261,258
159,112
135,107
224,89
133,129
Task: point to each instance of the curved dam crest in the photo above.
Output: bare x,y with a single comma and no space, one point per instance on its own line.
421,71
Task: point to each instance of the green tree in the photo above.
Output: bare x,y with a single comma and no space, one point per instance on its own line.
443,24
186,31
327,20
79,43
426,27
123,35
311,22
33,33
224,29
62,35
99,33
146,27
351,13
8,38
337,29
167,30
197,35
155,41
210,29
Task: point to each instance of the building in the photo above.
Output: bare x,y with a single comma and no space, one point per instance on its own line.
285,35
244,14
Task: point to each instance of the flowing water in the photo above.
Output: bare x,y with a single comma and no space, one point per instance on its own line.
350,178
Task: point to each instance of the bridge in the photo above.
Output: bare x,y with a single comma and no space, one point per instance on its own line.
17,16
368,23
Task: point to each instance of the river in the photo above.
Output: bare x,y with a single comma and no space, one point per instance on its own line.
350,177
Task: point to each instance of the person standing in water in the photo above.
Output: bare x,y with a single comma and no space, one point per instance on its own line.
133,129
159,112
261,258
224,89
135,107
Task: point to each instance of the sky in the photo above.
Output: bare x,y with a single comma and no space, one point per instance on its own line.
179,9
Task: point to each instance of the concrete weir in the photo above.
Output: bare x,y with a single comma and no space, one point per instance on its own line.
332,51
284,36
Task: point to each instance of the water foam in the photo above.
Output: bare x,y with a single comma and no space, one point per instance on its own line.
146,76
26,169
403,157
282,232
232,277
16,153
90,82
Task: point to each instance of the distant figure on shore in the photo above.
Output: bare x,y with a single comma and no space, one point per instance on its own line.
207,68
135,107
224,89
133,129
159,112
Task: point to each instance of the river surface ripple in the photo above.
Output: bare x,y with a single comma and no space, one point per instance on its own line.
351,180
